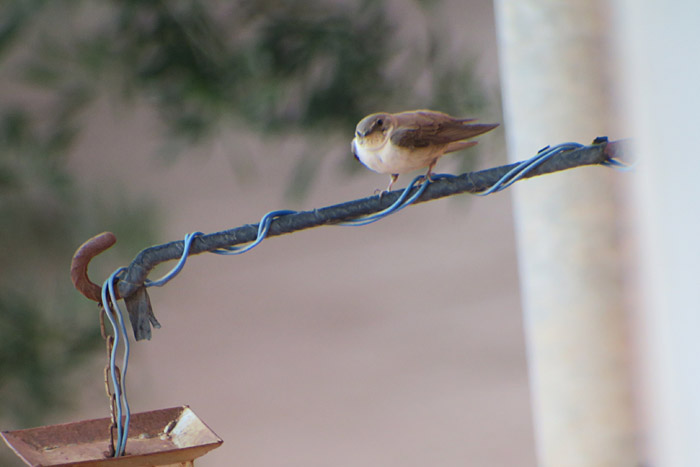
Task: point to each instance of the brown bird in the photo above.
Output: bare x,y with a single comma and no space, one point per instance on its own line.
406,141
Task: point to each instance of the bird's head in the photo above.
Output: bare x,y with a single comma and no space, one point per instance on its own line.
373,130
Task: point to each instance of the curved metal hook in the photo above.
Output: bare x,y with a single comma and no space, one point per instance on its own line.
81,259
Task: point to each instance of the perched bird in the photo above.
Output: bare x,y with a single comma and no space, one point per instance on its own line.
406,141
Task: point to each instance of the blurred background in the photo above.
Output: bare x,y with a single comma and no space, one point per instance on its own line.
396,343
407,341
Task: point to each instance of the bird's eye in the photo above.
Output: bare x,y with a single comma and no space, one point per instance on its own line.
357,133
380,122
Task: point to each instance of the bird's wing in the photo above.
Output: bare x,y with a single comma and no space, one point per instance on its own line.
424,128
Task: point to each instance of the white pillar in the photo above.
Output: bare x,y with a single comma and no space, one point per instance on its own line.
660,56
553,68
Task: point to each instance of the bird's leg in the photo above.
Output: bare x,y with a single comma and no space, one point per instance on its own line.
394,177
429,173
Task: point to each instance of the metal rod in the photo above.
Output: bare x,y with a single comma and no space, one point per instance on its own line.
472,182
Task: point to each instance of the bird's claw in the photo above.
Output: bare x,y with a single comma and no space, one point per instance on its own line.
380,192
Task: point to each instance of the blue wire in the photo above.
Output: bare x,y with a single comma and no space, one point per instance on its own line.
112,365
189,238
520,170
402,201
263,228
405,199
619,165
125,363
513,175
122,402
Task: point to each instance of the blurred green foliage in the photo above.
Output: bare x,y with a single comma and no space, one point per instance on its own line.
46,328
271,65
275,65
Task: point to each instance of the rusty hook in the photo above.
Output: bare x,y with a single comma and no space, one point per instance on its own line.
81,259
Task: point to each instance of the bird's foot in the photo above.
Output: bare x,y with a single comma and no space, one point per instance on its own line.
380,192
425,179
